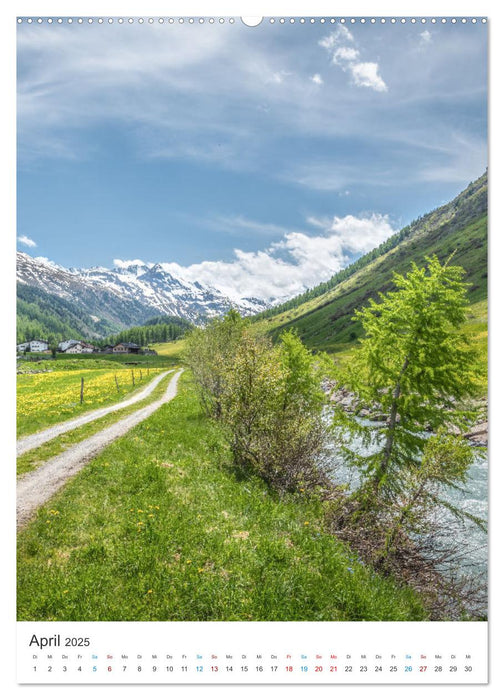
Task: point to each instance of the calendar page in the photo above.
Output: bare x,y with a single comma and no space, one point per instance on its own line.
251,352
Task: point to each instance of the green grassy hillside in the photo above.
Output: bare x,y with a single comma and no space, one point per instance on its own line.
458,229
44,315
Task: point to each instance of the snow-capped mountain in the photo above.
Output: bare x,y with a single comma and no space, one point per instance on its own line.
130,295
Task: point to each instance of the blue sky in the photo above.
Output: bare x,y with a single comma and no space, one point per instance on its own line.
260,160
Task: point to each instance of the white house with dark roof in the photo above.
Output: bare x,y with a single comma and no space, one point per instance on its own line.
62,347
75,348
34,346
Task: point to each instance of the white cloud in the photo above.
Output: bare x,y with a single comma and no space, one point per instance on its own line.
317,79
24,240
74,81
364,73
120,264
333,40
50,263
157,87
295,263
344,53
360,235
164,97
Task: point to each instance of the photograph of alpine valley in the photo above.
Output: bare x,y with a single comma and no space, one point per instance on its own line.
251,320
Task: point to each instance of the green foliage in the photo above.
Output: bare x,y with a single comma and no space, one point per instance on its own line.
156,330
166,319
44,315
272,405
268,398
414,367
416,371
445,462
302,380
209,352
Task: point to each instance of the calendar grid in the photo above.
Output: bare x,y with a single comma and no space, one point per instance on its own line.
320,653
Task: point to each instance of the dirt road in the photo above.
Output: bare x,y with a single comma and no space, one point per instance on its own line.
35,488
30,442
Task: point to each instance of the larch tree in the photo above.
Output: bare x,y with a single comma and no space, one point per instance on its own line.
413,369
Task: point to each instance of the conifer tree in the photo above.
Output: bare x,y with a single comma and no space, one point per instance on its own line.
414,367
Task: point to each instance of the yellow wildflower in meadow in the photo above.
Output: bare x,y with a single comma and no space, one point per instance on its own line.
47,398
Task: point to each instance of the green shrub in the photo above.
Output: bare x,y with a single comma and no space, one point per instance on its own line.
268,398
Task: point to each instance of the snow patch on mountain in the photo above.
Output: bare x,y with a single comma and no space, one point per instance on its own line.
131,293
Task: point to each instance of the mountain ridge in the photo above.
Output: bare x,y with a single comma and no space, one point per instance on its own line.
98,301
324,316
459,207
128,296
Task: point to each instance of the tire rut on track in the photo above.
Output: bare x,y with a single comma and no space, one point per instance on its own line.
35,488
30,442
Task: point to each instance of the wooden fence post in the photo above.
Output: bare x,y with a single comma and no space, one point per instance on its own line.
117,383
141,377
82,390
133,377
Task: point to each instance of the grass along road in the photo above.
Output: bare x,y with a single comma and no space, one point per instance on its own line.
33,459
47,398
160,527
37,487
30,442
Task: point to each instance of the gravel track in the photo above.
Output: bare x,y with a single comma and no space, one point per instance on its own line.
30,442
35,488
